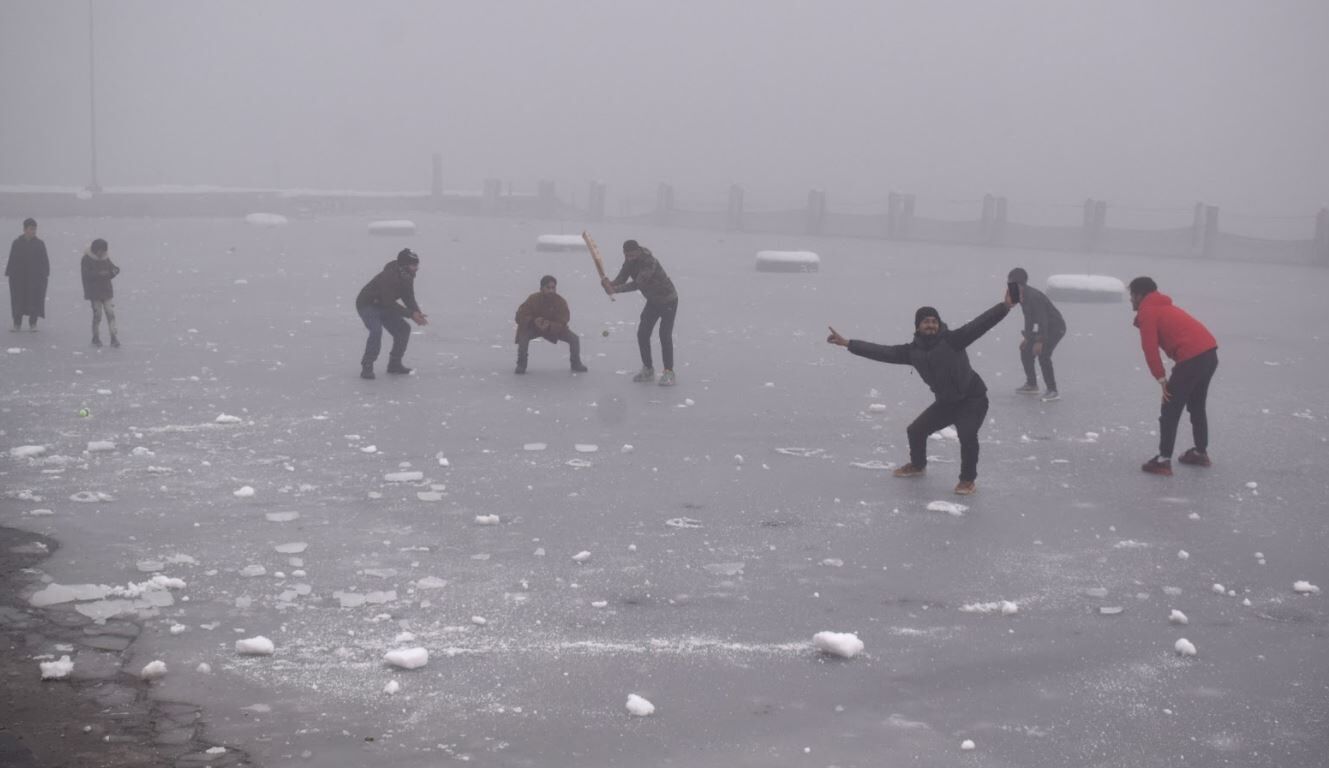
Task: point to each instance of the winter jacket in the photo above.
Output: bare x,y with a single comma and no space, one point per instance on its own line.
1041,314
28,270
98,271
646,275
551,307
941,360
1162,324
394,283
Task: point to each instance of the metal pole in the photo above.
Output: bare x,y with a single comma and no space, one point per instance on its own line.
92,98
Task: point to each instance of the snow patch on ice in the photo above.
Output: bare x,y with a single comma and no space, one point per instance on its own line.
639,707
154,670
27,451
1184,647
949,507
255,646
843,644
407,658
56,670
1305,588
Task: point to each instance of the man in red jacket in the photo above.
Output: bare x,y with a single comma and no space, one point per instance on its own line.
1195,351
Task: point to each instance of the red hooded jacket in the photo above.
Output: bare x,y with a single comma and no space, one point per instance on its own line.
1164,325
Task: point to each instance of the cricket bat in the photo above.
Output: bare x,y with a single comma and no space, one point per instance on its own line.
595,256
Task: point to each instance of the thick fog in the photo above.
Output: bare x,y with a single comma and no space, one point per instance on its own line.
1134,102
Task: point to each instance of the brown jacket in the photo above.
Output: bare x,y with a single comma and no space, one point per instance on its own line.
551,307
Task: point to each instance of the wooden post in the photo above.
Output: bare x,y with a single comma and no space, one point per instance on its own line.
492,192
1100,221
664,204
816,213
1197,230
1087,226
999,222
595,201
735,208
907,216
1210,231
893,208
985,225
436,182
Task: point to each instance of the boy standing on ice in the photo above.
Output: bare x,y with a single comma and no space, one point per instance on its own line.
546,315
385,302
641,272
938,354
1043,328
1195,351
98,272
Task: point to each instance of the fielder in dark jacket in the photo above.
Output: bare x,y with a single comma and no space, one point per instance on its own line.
385,302
98,272
641,272
28,270
1043,329
938,354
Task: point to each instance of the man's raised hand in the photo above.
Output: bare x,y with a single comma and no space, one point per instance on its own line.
836,339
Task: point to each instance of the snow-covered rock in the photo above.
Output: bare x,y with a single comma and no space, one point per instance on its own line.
154,670
255,646
787,261
56,670
1184,647
560,243
265,219
392,227
639,707
407,658
843,644
1087,288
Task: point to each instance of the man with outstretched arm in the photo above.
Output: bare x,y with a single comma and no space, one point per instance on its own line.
641,272
1185,339
385,302
1043,329
938,354
546,315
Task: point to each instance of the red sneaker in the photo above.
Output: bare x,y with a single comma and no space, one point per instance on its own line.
1195,458
1155,466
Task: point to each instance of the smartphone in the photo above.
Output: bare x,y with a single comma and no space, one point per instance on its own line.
1014,289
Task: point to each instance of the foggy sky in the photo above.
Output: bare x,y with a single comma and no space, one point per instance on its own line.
1143,103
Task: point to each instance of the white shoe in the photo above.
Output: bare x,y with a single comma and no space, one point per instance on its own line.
1051,396
645,375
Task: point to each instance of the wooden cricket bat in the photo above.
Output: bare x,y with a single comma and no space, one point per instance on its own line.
595,256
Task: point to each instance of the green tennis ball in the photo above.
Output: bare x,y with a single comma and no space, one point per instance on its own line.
84,412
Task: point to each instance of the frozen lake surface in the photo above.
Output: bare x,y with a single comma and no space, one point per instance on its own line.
753,509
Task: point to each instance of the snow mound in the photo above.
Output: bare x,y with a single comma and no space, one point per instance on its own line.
392,687
1177,617
56,670
949,507
639,707
1184,647
586,447
967,745
486,520
787,261
1305,588
392,227
154,670
281,517
293,548
581,557
1086,288
403,477
100,446
226,418
255,646
407,658
27,451
266,219
843,644
243,492
560,243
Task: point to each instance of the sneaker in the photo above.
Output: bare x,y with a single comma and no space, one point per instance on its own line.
965,488
646,375
1195,458
366,371
1029,388
399,369
96,342
1158,466
667,379
115,342
579,368
1051,396
909,470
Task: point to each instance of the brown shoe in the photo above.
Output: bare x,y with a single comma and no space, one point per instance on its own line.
1195,459
909,470
1156,467
965,488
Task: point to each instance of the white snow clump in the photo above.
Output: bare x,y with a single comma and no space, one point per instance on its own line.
843,644
1184,647
407,658
56,670
639,707
255,646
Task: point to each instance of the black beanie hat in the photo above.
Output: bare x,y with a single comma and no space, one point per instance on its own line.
630,245
925,312
407,256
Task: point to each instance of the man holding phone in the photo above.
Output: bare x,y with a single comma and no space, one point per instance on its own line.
938,354
1043,329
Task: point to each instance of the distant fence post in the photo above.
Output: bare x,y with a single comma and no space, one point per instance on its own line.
1197,230
907,216
1210,231
1322,236
999,222
436,183
816,215
985,225
735,218
1100,221
664,204
547,196
893,207
595,201
492,192
1087,238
